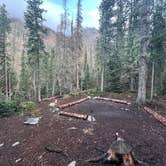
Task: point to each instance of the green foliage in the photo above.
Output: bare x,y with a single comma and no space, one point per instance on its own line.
86,82
30,105
25,81
8,107
157,48
35,45
4,59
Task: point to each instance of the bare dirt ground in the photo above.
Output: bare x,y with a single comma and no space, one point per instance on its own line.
142,131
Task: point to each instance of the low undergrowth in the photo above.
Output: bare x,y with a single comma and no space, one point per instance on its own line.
9,107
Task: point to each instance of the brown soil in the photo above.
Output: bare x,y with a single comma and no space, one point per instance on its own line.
143,132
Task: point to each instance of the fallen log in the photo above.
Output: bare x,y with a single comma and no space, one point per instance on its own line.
113,100
72,103
75,115
157,116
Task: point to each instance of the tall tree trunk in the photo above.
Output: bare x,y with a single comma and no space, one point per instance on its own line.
102,79
131,83
10,85
152,82
53,86
144,42
38,81
131,80
34,84
6,78
77,76
141,97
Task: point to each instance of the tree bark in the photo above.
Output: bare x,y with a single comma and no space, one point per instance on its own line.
6,78
75,115
102,79
152,82
144,42
141,97
53,87
38,80
77,73
34,84
131,81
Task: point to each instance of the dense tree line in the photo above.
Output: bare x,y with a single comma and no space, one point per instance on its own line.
130,52
131,46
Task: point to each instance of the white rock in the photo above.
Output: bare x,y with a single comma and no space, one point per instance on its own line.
40,157
72,128
52,104
32,121
57,109
73,163
1,144
15,144
18,160
91,118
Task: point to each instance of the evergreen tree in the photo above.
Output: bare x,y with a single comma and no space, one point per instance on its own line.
144,35
24,84
158,52
35,46
4,58
106,37
78,42
86,75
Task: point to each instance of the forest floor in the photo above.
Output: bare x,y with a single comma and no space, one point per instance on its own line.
81,139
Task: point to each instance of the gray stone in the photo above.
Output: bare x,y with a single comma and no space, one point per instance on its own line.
15,144
32,121
91,118
18,160
73,163
72,128
2,144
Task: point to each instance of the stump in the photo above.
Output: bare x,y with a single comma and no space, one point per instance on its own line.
120,152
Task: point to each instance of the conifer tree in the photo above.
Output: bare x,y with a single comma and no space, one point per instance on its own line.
86,74
78,42
158,52
35,45
106,36
4,59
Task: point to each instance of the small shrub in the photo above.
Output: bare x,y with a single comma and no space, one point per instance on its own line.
30,105
8,107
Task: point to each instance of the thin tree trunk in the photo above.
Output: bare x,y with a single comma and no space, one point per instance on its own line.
53,87
102,79
6,79
77,73
141,97
38,80
10,86
34,84
152,82
131,82
47,90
